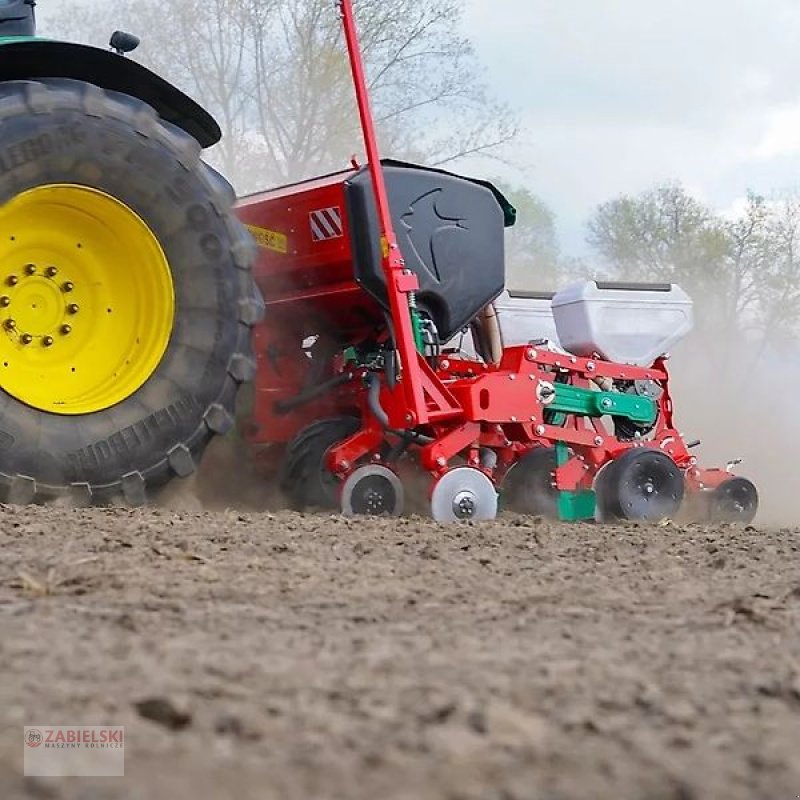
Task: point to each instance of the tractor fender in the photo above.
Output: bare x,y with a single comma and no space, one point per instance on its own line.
32,59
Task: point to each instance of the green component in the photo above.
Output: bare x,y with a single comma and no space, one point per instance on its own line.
416,326
589,403
350,355
576,506
573,506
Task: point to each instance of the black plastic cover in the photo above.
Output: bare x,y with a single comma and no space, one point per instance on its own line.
450,231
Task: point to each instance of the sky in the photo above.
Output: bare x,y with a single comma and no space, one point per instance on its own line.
616,96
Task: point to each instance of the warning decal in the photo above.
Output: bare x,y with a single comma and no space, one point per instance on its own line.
326,223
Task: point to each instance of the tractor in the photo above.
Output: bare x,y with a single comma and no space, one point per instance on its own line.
126,293
138,296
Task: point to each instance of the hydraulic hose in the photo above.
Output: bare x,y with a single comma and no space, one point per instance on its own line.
378,411
290,404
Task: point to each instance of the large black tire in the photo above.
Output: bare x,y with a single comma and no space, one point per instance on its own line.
305,480
69,132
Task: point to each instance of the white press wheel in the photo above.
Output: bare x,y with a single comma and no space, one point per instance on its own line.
464,493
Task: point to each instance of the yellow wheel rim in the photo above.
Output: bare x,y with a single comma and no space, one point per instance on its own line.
86,299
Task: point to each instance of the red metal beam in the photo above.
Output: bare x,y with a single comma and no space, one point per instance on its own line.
400,283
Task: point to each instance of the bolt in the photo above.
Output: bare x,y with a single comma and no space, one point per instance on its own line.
590,366
512,377
5,301
532,377
445,364
12,280
26,338
51,272
441,461
598,440
531,355
47,341
30,269
513,419
606,402
73,308
344,464
540,430
65,329
67,286
9,324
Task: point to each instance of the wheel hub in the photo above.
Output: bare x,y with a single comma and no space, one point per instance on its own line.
464,505
86,299
34,303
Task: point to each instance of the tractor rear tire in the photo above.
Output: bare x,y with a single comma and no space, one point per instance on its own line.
305,478
120,389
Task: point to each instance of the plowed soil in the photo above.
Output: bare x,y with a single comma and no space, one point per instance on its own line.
315,657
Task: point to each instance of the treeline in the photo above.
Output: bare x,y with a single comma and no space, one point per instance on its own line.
275,74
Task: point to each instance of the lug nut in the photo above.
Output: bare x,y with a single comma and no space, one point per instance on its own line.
30,269
47,341
67,286
73,308
12,280
26,338
65,329
5,301
51,272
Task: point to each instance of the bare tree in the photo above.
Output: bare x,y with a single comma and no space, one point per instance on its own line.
276,76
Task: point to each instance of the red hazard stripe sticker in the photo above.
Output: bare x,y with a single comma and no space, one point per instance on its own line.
326,223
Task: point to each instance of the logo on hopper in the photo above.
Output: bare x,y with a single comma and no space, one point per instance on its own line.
326,223
426,238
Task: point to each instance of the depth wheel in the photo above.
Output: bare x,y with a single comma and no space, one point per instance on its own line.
372,491
640,485
463,493
735,500
530,484
305,479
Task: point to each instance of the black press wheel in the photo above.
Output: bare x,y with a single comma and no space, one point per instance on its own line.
735,500
640,485
529,487
305,480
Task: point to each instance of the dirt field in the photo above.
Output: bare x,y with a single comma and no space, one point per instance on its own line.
316,657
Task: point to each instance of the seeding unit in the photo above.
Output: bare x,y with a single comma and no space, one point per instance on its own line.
371,274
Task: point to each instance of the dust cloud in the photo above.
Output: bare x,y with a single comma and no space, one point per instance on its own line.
740,400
